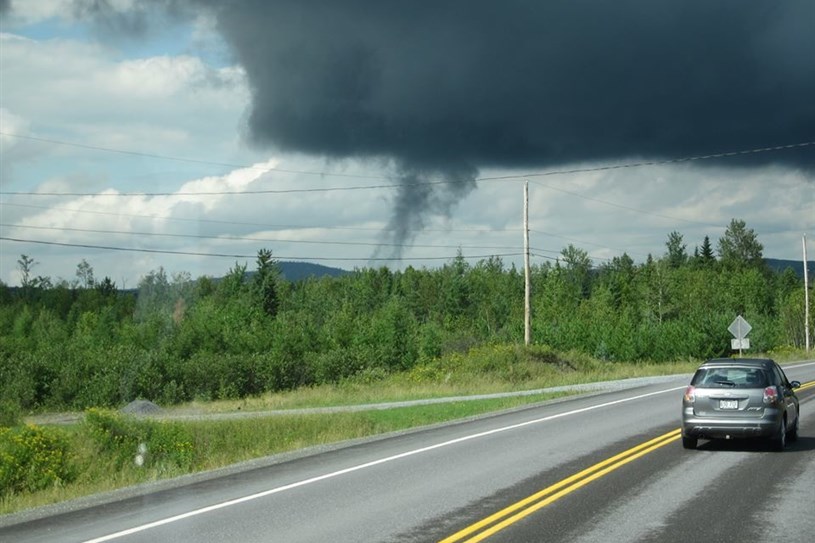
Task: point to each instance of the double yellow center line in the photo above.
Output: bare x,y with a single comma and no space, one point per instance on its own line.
512,514
522,509
806,386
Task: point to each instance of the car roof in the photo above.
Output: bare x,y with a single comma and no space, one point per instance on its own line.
764,363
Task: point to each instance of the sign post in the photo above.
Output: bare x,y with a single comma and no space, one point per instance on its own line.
739,328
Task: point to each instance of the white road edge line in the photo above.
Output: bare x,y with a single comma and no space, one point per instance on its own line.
359,467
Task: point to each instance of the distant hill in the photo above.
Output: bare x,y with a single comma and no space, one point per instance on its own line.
797,266
294,271
297,271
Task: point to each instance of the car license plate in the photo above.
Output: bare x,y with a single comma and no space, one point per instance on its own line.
728,404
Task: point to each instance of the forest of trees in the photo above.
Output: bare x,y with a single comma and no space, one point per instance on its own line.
85,343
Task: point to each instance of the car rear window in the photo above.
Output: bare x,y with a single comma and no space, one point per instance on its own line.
730,378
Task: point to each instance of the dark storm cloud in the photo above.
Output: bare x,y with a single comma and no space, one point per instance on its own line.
445,87
525,82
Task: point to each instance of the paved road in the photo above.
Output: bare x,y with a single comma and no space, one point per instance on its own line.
430,485
725,491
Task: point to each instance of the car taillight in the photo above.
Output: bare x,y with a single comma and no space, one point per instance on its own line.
770,396
690,394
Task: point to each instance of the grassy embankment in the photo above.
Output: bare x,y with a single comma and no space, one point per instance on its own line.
102,451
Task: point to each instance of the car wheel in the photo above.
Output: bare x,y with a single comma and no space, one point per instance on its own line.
792,434
689,442
779,441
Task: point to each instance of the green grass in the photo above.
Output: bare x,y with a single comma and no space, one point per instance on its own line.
218,443
222,443
486,370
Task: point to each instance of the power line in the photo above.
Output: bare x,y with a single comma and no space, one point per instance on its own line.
230,255
627,208
185,219
370,187
290,227
365,187
535,254
182,159
244,238
243,223
583,242
729,154
227,192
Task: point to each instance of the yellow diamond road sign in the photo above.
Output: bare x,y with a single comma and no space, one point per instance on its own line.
739,328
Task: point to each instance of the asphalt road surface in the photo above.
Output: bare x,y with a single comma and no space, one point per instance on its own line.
604,467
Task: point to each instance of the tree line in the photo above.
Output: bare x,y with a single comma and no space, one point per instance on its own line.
73,345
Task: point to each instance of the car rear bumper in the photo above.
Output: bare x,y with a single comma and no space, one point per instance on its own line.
723,428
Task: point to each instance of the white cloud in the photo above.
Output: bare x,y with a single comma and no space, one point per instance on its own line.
83,93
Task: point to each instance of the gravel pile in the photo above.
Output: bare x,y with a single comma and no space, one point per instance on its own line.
141,407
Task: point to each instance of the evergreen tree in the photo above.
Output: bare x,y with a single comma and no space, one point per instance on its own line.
106,287
706,257
266,282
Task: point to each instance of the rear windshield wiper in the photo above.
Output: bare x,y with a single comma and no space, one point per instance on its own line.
725,383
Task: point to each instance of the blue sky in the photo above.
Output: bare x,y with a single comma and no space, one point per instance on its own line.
92,116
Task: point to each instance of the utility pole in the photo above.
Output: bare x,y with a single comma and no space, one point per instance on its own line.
527,287
806,296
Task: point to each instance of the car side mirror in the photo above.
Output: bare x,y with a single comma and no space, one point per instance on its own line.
795,384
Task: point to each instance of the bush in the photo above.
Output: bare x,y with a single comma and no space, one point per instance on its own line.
147,443
334,365
33,458
9,413
212,376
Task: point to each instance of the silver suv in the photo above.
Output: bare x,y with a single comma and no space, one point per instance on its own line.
736,398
